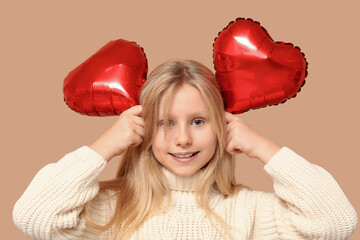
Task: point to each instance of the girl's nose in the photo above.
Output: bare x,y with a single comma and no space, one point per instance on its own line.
183,137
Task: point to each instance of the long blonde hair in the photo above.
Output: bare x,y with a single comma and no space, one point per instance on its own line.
141,187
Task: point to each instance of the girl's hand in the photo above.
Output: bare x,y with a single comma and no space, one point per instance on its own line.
127,131
241,138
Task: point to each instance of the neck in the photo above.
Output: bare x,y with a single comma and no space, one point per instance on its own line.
181,183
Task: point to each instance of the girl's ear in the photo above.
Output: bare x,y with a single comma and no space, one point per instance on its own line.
109,81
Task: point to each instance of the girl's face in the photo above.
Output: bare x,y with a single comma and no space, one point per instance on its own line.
189,142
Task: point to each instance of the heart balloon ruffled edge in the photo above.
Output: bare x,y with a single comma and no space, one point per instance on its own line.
278,42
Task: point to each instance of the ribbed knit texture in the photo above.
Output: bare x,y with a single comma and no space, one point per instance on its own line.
307,204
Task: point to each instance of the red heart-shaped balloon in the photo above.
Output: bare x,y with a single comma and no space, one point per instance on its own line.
253,71
109,81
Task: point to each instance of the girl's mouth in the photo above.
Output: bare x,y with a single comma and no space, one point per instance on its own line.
185,157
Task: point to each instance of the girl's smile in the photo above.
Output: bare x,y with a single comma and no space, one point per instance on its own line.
189,142
184,157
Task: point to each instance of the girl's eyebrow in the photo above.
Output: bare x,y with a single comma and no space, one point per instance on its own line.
192,115
200,113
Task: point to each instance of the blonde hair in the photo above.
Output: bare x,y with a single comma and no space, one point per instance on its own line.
140,198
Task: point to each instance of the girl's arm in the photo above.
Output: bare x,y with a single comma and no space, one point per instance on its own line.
51,205
54,199
307,204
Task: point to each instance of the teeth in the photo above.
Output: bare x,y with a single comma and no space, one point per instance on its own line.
184,156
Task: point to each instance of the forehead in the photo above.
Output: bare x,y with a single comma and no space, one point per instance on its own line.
185,99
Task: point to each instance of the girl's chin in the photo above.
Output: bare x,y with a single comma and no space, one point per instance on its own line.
184,172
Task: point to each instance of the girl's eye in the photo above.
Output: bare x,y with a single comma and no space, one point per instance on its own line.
166,124
198,122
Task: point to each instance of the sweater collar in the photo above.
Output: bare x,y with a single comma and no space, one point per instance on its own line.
179,183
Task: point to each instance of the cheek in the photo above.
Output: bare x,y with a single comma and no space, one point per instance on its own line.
211,140
158,144
210,135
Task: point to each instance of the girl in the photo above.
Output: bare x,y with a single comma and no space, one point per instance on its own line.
176,180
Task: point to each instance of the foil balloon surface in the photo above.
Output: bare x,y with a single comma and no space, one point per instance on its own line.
108,82
253,71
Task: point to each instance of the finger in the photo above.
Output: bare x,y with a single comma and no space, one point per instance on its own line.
139,121
228,139
232,149
135,110
139,130
230,126
237,151
137,140
229,117
229,148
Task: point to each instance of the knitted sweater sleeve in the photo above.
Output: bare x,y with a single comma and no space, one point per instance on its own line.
307,204
53,201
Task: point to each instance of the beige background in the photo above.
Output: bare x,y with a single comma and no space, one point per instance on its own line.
41,41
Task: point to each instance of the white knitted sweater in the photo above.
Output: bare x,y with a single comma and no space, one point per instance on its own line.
307,204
